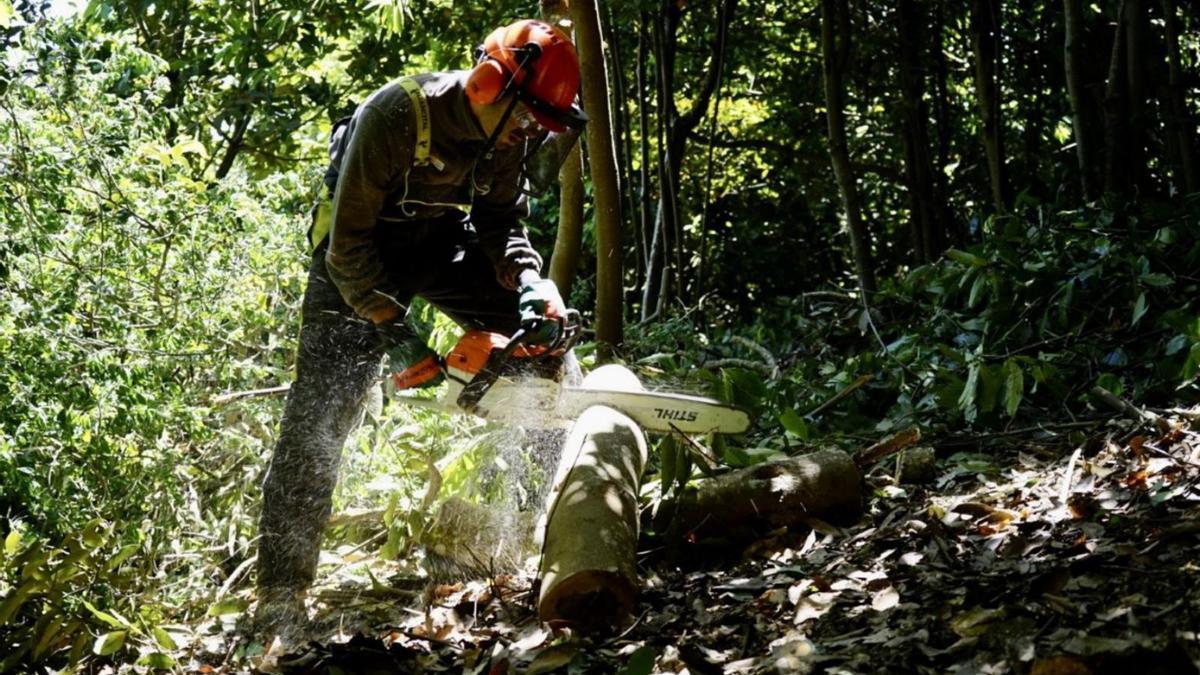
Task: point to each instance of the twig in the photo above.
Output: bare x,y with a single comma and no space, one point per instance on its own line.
1129,410
762,351
763,368
846,391
1064,490
700,450
891,445
233,578
221,399
828,295
1048,428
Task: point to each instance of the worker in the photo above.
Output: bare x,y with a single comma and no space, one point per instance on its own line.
427,186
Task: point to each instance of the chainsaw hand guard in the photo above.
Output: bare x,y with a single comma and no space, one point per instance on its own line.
552,337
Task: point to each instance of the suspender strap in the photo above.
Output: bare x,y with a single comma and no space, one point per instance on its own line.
424,122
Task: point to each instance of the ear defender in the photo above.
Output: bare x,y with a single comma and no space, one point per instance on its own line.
486,81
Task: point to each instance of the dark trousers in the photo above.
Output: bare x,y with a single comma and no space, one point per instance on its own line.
337,362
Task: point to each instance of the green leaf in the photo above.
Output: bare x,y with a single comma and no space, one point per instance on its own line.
641,662
1157,280
105,616
228,605
1111,383
962,257
157,660
966,400
794,424
1014,386
1191,367
164,639
7,14
552,658
668,459
12,542
1139,309
977,289
1176,345
109,642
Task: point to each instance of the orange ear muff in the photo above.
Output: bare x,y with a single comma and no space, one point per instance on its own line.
486,81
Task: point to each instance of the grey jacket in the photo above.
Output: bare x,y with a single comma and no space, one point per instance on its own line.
377,185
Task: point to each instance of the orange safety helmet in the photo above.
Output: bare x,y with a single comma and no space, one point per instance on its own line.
540,63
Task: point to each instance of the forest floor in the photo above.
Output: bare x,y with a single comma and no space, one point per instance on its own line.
1030,558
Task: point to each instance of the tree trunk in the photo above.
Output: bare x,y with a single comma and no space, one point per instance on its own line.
1179,123
926,232
1135,77
234,144
985,40
1073,52
644,141
825,484
604,177
589,555
568,241
1114,113
835,47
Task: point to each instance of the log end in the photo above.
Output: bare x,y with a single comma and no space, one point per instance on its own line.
591,601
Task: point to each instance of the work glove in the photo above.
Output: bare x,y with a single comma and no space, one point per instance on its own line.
411,364
540,307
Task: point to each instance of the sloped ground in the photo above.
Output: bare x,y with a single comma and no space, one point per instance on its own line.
1026,559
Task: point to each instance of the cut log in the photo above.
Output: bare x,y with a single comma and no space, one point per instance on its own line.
825,484
588,568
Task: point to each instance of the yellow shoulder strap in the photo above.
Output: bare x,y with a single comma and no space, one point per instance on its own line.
323,213
424,124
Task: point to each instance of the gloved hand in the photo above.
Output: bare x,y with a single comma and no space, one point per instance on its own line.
410,362
540,307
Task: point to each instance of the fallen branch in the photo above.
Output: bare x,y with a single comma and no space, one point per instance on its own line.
1046,428
767,356
748,364
888,446
846,391
1129,410
825,484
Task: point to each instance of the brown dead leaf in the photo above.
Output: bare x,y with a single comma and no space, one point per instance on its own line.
1137,445
1082,506
974,509
1060,664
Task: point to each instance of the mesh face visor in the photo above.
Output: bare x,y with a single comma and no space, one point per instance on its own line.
544,157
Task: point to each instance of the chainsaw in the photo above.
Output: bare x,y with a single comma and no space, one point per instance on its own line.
525,379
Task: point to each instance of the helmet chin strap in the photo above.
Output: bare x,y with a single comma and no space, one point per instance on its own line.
488,145
529,52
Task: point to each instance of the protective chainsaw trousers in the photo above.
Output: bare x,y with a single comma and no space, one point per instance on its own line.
337,362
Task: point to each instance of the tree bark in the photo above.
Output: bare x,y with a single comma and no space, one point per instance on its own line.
1114,112
926,230
1135,89
985,41
1179,123
644,187
589,566
601,157
1073,52
568,241
835,46
825,484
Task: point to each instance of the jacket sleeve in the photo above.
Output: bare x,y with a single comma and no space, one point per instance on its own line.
379,149
497,219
